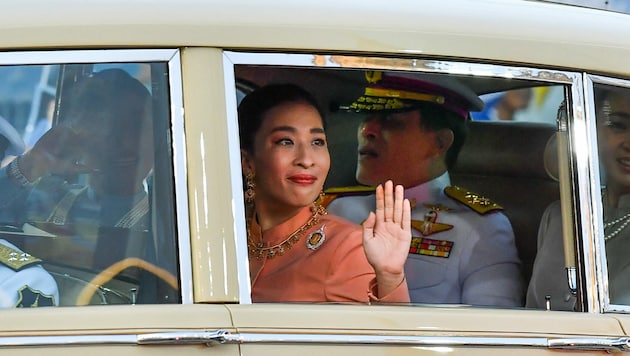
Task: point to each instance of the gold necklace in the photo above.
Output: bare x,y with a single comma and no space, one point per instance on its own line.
258,249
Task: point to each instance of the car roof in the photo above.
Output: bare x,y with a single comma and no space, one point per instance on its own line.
516,31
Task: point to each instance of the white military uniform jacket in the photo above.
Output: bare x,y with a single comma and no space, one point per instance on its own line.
473,261
549,277
23,281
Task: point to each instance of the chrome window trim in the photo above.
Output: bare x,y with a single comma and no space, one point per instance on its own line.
581,150
600,245
181,178
238,205
219,337
577,128
86,56
407,64
172,58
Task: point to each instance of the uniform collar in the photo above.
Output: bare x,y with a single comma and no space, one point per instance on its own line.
429,191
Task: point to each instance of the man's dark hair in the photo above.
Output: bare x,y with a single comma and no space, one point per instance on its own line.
435,117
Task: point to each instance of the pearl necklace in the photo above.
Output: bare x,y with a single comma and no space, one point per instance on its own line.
257,248
625,220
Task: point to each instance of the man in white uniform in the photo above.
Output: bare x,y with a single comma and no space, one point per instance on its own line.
24,282
463,249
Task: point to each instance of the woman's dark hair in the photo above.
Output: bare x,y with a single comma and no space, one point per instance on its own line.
435,117
256,104
604,92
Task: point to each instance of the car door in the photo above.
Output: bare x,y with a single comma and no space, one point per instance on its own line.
529,161
119,285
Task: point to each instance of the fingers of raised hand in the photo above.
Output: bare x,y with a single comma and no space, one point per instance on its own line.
380,203
399,194
406,217
389,201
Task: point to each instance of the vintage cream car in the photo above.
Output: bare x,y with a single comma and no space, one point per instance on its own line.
180,283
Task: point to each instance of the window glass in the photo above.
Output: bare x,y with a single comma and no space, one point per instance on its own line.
531,104
87,185
612,110
453,240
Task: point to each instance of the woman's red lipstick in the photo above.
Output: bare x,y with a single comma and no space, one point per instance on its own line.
303,179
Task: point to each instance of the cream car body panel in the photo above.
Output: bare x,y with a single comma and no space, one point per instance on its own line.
213,268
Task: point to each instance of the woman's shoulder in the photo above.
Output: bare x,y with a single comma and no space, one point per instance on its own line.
342,237
337,222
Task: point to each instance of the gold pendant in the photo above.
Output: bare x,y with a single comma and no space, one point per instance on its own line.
316,238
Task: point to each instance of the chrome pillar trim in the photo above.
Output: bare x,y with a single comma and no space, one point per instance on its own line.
572,279
586,187
180,176
238,205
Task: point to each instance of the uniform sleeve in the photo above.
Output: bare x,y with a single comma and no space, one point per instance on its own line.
12,199
9,190
352,278
491,275
548,274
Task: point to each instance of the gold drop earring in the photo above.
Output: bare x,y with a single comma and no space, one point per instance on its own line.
250,193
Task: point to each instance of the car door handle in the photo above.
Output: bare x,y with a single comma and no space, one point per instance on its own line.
208,337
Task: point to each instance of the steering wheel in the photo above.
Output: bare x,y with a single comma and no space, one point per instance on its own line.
112,271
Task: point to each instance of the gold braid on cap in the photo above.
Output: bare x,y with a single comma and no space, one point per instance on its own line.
375,98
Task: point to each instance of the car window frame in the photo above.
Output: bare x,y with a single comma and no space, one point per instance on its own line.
599,251
173,61
578,174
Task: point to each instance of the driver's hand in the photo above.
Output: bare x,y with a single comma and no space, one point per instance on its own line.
57,151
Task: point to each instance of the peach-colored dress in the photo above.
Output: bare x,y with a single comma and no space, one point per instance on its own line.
336,271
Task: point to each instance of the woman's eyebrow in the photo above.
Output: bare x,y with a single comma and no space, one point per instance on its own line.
283,128
316,130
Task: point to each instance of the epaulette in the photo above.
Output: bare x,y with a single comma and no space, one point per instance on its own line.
476,202
333,193
16,259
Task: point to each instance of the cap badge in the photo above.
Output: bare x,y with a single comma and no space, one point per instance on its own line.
373,76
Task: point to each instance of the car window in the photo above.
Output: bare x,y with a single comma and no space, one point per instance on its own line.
530,104
612,119
494,159
87,185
